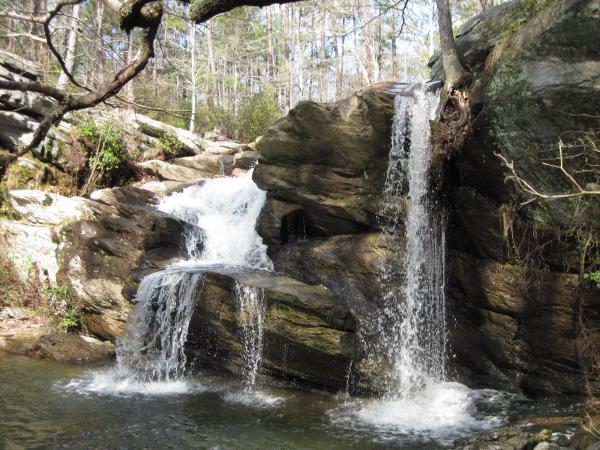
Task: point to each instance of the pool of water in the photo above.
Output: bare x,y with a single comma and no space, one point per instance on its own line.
44,404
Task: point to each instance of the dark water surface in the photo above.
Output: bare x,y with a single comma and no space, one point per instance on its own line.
47,405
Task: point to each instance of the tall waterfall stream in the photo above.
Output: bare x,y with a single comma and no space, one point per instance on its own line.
410,328
419,403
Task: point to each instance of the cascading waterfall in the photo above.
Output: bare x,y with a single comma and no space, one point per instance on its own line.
222,213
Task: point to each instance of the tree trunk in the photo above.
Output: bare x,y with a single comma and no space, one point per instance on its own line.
212,75
129,94
99,42
63,79
453,70
193,76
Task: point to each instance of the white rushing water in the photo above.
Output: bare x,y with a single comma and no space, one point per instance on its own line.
411,328
151,359
251,320
224,212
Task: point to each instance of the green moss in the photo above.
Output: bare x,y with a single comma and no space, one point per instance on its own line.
200,8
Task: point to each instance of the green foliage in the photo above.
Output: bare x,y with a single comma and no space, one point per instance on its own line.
71,318
170,146
106,143
59,307
258,112
593,276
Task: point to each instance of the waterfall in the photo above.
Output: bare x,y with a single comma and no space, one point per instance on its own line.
412,326
222,213
251,319
157,327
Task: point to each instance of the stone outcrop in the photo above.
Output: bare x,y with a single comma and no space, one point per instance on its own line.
323,167
328,159
99,248
514,283
24,332
309,334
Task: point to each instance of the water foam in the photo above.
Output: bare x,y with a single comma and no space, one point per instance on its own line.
223,212
119,382
442,411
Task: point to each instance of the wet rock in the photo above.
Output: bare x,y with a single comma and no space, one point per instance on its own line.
74,348
246,159
309,334
505,438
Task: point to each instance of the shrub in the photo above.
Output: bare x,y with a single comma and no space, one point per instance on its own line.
105,144
257,113
170,146
593,277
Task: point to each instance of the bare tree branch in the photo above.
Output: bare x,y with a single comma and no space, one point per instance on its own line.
33,86
538,193
152,14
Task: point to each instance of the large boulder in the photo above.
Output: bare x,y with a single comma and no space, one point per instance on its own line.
535,87
329,160
309,334
514,272
99,249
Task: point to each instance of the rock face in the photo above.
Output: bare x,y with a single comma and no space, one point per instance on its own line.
322,166
309,334
514,282
98,248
